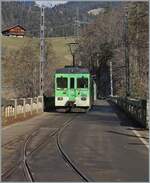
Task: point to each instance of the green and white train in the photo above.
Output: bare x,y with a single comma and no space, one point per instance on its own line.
73,88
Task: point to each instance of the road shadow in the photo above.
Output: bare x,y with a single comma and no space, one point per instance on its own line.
136,144
125,120
102,108
126,134
49,104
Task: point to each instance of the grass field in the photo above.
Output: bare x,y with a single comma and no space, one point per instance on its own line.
61,49
59,45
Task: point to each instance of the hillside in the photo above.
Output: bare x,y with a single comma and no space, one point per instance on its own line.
59,45
20,65
60,20
61,49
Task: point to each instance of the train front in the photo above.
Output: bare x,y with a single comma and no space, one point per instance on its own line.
72,88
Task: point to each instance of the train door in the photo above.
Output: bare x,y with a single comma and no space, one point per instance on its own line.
72,91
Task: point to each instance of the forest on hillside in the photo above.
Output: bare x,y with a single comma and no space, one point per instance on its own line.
59,20
104,41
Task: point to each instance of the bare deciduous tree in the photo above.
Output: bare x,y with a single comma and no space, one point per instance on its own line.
104,40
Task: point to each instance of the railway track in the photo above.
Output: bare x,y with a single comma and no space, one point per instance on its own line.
13,141
68,159
26,154
8,172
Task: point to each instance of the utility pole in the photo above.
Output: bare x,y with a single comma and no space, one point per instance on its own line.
111,81
77,25
42,49
127,53
148,97
0,62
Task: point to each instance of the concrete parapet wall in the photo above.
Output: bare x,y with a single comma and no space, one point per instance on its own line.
15,108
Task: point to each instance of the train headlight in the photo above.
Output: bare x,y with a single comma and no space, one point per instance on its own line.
60,98
83,98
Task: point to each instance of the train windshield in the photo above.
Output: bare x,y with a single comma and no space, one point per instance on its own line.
82,83
61,82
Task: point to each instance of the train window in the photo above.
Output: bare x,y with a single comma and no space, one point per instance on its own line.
82,83
61,82
71,83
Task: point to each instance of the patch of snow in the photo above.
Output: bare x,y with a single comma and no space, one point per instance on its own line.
96,11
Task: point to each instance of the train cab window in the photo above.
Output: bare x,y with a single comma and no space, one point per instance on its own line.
82,83
71,83
61,82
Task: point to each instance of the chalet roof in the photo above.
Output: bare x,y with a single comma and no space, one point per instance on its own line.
75,70
14,27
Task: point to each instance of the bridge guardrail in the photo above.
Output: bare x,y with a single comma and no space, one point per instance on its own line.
136,108
21,108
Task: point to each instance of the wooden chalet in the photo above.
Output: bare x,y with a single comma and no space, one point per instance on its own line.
14,31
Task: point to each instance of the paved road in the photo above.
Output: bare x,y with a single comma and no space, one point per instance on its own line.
103,144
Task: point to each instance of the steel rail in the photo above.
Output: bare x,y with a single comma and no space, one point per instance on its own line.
8,172
11,170
26,167
67,158
13,141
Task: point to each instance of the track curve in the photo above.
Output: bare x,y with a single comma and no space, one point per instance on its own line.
67,158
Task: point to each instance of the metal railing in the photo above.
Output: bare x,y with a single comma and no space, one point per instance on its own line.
135,108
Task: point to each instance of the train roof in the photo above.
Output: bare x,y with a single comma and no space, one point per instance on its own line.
75,70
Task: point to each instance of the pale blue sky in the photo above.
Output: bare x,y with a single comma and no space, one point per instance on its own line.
49,3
